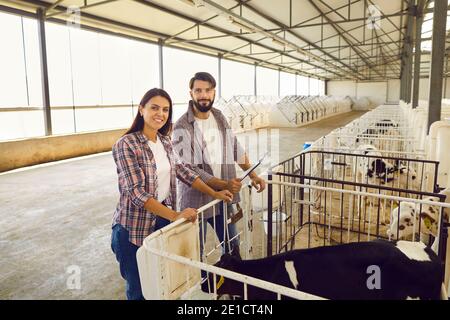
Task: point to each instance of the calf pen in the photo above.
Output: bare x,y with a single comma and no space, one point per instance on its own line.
170,266
330,190
317,203
169,261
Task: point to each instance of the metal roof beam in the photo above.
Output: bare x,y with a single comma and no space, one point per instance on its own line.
397,28
80,8
160,35
251,25
215,28
335,27
285,27
322,14
359,42
389,19
201,23
337,22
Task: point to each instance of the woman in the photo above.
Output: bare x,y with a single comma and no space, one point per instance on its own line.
147,167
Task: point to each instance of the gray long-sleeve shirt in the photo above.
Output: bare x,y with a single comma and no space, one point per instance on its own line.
189,144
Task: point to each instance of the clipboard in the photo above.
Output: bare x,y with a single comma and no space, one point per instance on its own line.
248,171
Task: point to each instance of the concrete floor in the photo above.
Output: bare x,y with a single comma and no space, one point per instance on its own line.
55,221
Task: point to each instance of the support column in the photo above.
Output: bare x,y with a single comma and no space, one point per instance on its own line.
255,90
406,70
220,75
161,65
409,47
44,72
418,53
279,82
437,61
296,75
309,86
445,77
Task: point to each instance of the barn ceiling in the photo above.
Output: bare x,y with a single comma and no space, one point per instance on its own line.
326,39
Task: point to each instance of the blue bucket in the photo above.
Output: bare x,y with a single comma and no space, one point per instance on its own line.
306,145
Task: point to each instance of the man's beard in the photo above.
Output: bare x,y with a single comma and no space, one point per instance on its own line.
203,108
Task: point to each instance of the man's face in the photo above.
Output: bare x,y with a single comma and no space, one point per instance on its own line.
203,95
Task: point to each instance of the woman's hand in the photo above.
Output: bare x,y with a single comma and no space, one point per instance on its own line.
189,214
224,195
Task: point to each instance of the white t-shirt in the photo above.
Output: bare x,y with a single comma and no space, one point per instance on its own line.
162,168
213,138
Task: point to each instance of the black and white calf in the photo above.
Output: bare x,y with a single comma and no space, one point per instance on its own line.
410,218
406,270
375,169
372,167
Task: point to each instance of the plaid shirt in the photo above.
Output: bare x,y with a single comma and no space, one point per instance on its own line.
138,181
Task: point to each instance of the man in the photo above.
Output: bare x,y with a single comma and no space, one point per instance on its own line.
203,138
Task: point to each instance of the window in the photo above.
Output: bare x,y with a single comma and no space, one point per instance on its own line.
12,64
115,70
94,69
302,86
144,69
86,77
321,87
287,84
237,79
267,82
313,87
180,66
33,65
427,28
59,65
20,81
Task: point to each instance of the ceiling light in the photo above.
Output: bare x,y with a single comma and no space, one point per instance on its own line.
241,25
189,2
278,42
192,3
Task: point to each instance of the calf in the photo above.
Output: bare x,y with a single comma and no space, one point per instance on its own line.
370,168
406,270
406,218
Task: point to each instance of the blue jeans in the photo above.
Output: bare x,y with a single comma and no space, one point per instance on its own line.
232,230
125,252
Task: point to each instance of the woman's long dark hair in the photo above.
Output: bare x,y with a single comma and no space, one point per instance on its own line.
138,123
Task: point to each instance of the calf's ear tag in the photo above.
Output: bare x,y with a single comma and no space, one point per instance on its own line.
220,283
427,222
395,205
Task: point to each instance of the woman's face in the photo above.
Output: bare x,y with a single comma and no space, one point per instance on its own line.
155,112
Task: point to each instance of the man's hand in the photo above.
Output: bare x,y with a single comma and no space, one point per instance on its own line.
234,185
258,183
224,195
